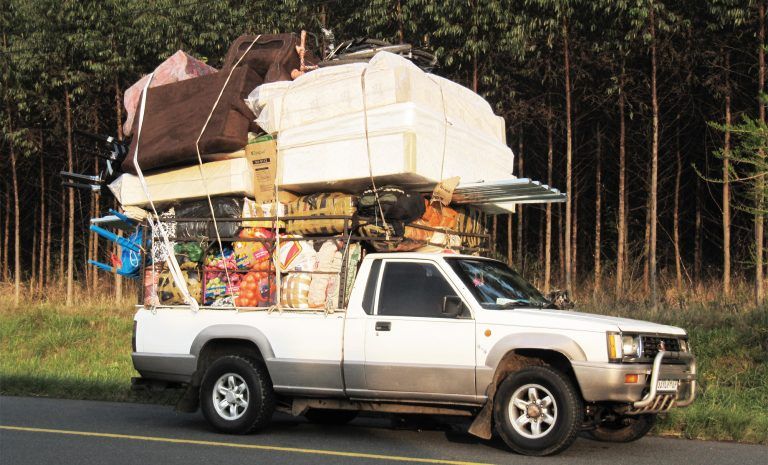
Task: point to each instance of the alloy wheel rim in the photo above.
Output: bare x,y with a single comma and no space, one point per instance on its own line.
532,411
230,396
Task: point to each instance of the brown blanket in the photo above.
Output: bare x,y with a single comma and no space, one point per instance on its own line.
176,113
274,56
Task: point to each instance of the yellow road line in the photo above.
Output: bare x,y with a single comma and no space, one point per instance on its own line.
299,450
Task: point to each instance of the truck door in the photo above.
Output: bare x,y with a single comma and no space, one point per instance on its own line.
412,349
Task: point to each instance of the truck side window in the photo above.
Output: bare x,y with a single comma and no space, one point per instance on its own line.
370,287
413,289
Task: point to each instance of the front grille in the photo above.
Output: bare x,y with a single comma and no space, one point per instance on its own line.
651,345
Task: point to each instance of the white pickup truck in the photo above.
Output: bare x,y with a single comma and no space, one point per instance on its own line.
431,334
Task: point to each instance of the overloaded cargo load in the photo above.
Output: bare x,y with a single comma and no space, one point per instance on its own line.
387,119
302,171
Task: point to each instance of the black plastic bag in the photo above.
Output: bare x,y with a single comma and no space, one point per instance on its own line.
396,204
223,207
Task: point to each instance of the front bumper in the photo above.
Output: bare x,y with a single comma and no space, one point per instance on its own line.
604,382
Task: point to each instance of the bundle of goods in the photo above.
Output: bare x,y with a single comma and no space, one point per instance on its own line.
322,206
177,112
314,272
387,119
271,176
195,220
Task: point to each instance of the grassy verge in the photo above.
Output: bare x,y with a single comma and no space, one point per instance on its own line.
78,353
84,353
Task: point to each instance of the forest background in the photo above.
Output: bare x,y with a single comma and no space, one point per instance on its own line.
649,114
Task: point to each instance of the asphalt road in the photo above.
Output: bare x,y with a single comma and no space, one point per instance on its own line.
43,431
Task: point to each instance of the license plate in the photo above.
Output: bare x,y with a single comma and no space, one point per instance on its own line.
667,385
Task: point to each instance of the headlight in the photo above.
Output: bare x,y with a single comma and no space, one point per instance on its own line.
630,346
622,347
614,347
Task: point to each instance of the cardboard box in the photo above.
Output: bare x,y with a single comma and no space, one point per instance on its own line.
262,158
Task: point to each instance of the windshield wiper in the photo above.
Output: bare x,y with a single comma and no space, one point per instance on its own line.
515,303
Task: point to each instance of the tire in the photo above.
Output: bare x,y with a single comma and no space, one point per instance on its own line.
244,392
330,417
623,429
546,408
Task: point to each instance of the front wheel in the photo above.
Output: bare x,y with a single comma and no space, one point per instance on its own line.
236,395
537,411
623,428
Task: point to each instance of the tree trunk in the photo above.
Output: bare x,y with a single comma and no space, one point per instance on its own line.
71,202
647,247
474,73
726,183
96,199
33,269
89,250
598,199
62,235
119,115
575,237
520,220
16,227
654,160
399,12
698,232
561,242
548,226
676,215
568,155
6,231
41,259
48,248
621,247
760,181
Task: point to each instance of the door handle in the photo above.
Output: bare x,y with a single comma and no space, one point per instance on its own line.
383,326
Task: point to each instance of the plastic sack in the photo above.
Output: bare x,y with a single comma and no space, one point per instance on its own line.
395,203
223,207
169,294
295,290
257,289
253,255
319,205
188,254
324,288
217,285
297,255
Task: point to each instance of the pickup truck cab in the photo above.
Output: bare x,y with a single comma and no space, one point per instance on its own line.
432,334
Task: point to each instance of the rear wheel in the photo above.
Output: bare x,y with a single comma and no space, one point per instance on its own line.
330,417
623,428
537,411
236,395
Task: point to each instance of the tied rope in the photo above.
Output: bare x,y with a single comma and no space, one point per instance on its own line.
442,162
155,223
200,162
368,152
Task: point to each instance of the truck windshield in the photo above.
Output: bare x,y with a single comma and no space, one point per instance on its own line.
495,285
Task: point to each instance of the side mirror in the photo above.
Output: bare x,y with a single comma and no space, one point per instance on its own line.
453,306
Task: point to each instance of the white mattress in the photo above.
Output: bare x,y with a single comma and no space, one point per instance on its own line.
408,144
389,79
226,177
